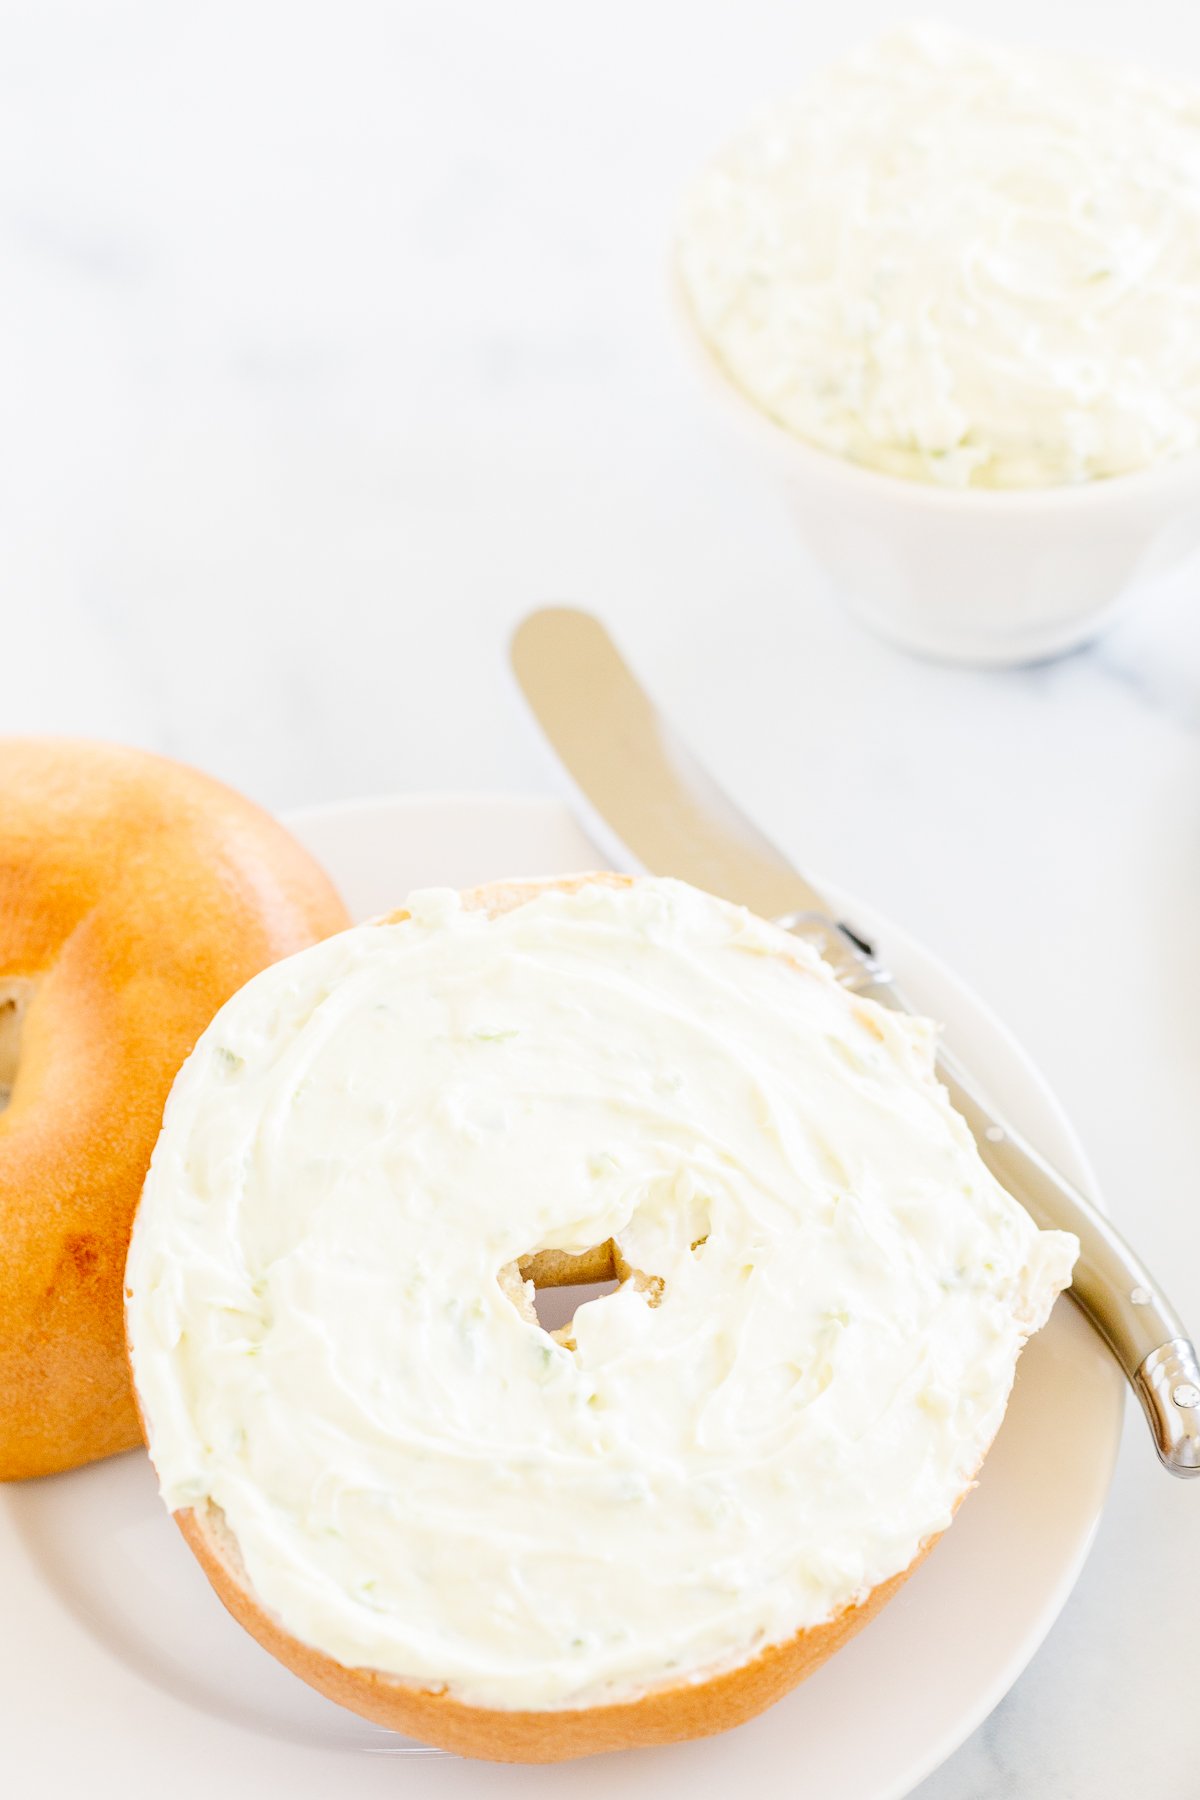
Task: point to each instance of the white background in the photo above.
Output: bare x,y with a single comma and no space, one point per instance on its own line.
333,337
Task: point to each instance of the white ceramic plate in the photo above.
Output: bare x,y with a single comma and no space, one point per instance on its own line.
121,1674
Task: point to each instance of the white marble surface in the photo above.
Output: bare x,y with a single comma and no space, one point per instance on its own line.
333,337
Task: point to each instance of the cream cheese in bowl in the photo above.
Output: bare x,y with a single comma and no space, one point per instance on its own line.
966,265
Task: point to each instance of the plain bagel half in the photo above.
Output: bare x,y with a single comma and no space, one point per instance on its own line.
662,1708
136,895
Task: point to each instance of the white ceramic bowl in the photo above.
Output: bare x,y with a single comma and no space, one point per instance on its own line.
976,575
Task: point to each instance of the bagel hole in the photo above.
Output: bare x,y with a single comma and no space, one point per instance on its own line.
547,1287
15,995
556,1306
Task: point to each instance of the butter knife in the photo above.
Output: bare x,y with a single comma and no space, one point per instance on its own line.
642,785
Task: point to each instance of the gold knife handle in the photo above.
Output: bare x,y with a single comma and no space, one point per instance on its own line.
1111,1285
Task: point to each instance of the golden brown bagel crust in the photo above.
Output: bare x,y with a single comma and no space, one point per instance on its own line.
664,1714
136,896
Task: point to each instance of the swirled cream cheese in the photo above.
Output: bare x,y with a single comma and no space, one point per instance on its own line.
420,1478
962,263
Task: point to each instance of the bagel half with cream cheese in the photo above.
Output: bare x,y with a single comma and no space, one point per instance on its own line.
652,1523
136,895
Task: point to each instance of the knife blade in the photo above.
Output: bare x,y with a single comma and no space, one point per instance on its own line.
639,774
659,801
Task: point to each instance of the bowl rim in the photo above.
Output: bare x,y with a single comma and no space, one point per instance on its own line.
1179,472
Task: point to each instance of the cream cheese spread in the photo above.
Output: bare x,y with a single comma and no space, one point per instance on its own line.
960,263
421,1479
